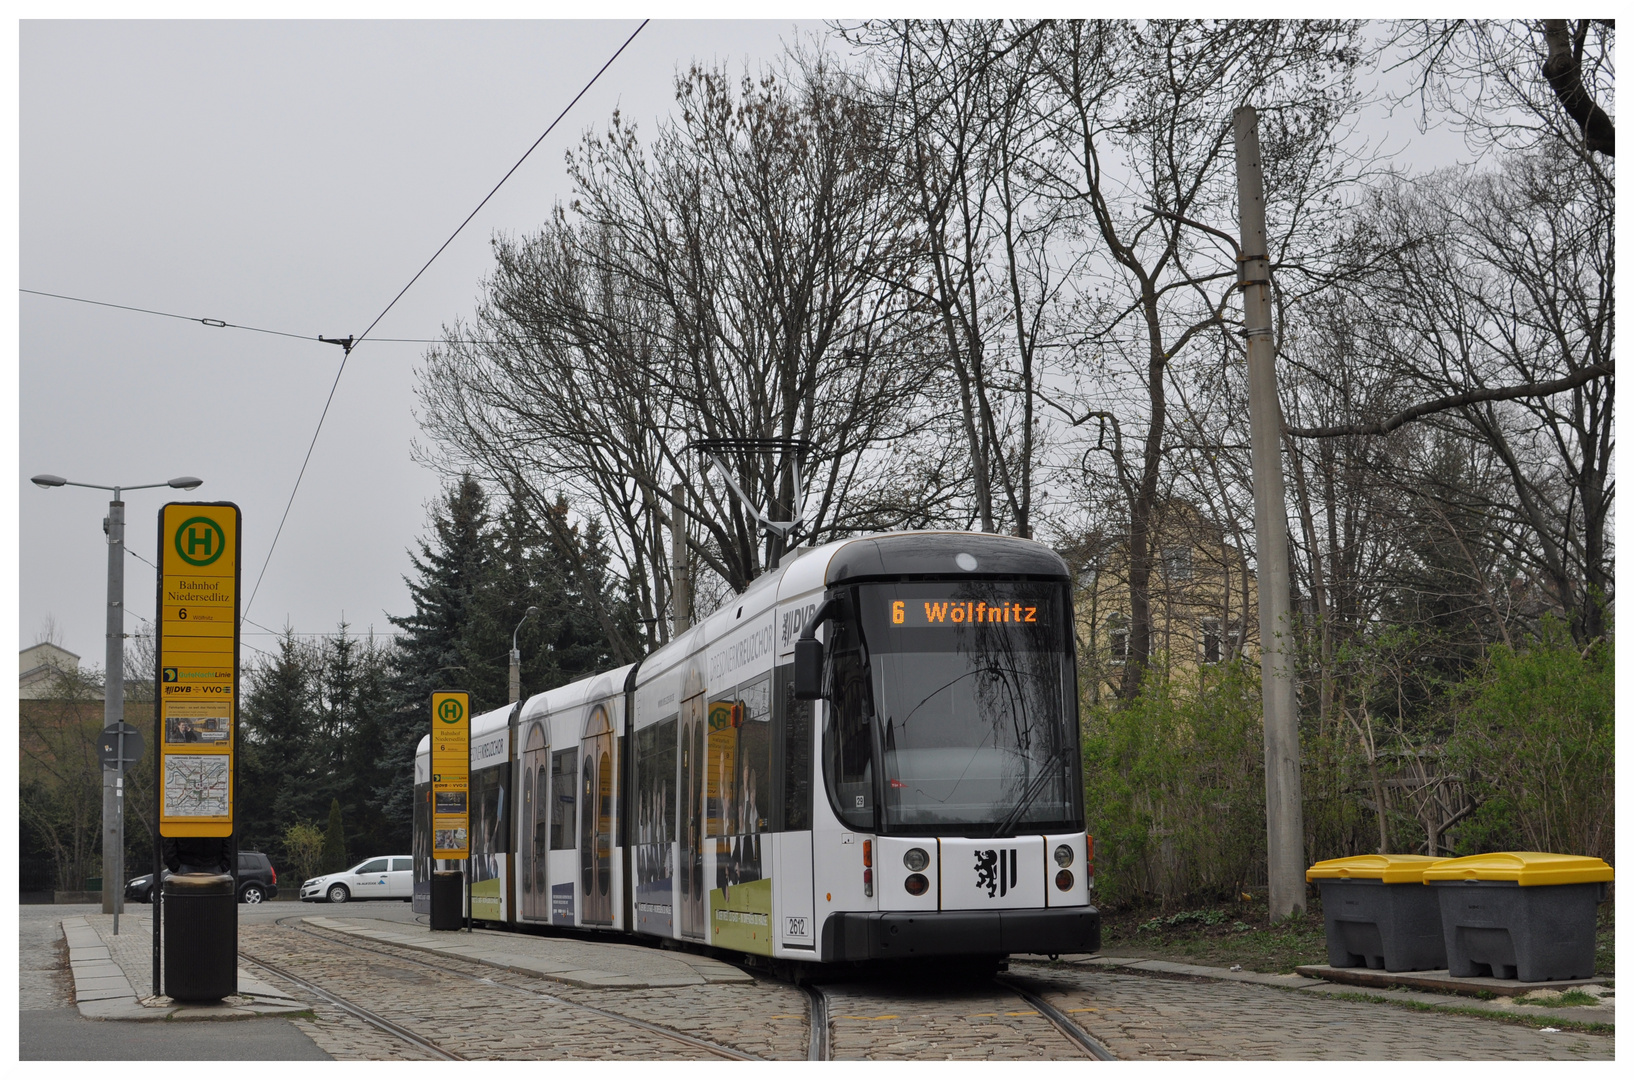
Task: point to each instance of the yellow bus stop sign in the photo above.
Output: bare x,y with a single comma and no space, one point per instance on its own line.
197,677
450,774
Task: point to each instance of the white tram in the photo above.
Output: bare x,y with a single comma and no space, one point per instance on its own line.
911,788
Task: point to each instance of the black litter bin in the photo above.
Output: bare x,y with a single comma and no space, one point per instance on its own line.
200,937
447,899
1379,914
1526,915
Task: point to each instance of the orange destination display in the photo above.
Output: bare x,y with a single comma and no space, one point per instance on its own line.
919,613
197,675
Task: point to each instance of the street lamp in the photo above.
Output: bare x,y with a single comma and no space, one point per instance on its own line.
516,656
113,698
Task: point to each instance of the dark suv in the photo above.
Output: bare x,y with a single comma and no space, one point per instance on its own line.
257,881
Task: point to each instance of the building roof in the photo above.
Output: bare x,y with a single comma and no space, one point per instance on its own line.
39,666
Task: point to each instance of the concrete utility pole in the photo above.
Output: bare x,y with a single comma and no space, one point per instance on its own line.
679,562
1284,814
113,710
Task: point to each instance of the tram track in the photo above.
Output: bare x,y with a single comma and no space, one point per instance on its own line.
823,1008
693,1041
819,1048
368,1016
1063,1023
822,1005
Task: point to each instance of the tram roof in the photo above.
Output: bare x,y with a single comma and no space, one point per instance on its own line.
591,688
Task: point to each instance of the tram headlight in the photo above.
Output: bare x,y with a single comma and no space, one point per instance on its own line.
916,860
916,884
1063,856
1063,880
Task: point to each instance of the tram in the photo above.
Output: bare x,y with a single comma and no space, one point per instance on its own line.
870,754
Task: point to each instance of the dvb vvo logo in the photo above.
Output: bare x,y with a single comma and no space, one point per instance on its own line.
996,870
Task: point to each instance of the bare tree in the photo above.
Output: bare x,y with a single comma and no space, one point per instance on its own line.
1518,84
966,147
1142,112
1502,284
734,279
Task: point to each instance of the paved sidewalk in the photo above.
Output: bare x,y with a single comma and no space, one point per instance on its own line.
596,965
113,976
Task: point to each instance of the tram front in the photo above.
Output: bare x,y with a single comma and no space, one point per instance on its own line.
950,744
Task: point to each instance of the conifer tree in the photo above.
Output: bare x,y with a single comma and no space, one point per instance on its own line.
334,840
429,654
277,726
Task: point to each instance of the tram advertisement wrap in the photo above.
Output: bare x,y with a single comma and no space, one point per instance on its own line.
450,774
737,792
655,828
740,917
197,672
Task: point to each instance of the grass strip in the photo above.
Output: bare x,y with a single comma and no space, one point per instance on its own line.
1589,1027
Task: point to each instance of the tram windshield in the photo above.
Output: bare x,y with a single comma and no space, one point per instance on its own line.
972,700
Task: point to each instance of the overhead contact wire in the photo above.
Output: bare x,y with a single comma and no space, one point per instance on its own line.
347,353
222,324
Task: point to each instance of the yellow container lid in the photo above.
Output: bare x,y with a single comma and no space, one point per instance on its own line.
1390,869
1523,868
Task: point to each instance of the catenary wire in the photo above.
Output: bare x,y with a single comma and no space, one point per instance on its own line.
223,324
341,370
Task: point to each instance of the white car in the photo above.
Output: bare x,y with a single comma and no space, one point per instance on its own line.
387,877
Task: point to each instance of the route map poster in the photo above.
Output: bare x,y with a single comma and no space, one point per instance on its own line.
197,667
450,774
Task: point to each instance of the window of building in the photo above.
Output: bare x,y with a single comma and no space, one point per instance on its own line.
1211,641
1117,635
1177,563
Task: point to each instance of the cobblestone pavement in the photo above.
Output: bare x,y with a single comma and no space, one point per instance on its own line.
492,1019
954,1019
1149,1017
1137,1016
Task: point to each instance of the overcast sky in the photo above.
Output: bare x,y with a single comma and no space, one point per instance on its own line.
290,176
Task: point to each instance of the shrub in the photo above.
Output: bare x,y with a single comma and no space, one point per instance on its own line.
1175,789
304,848
1535,728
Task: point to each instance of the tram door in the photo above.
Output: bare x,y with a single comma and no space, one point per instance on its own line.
596,820
693,887
535,846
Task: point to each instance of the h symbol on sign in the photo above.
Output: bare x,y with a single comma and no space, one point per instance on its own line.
195,540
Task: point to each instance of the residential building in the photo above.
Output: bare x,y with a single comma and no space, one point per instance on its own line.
1204,601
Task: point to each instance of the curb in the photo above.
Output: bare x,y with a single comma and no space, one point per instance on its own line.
102,991
472,947
1501,1007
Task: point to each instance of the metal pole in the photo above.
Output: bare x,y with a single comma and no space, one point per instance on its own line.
679,561
1284,818
113,696
516,671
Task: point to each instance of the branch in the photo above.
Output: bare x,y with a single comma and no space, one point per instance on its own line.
1455,401
1563,68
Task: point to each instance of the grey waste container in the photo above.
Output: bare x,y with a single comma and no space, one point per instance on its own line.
1378,912
200,937
1526,915
447,899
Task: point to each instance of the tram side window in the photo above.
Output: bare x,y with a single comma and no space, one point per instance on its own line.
564,770
794,750
848,749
